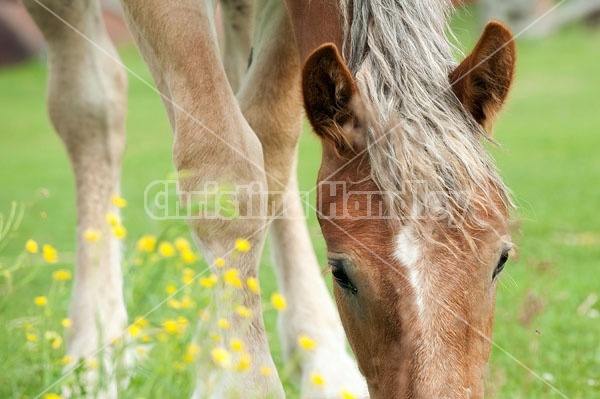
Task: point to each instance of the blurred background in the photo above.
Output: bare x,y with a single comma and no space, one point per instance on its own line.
547,331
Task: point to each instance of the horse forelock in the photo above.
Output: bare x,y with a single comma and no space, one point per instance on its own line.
421,139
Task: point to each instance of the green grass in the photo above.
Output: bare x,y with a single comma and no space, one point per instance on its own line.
550,137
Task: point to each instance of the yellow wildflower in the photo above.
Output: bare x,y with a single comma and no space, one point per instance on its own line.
166,249
118,201
307,343
183,321
209,281
187,302
243,311
40,300
182,244
188,276
224,324
66,360
346,394
54,338
220,262
141,322
317,379
242,245
253,285
31,246
170,289
61,275
134,330
112,219
244,362
236,345
146,243
92,235
174,303
232,277
66,323
119,231
221,356
52,396
50,254
204,315
192,351
92,363
146,338
172,327
31,337
265,370
278,301
188,256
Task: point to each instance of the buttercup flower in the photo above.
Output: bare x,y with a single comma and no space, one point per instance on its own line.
61,275
166,249
52,396
118,201
209,281
91,235
182,244
244,362
242,245
221,356
265,370
317,379
236,345
220,262
40,300
278,301
192,351
170,289
50,254
112,219
146,243
307,343
346,394
253,285
243,311
232,277
31,246
119,231
188,256
66,323
223,323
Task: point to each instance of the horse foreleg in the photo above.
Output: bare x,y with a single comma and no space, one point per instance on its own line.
87,102
270,100
214,147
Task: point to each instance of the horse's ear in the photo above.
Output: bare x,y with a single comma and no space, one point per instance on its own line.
482,81
333,105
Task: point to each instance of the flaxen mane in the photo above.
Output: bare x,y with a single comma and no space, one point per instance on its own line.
399,52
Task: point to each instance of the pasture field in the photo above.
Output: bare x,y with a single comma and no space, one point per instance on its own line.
548,313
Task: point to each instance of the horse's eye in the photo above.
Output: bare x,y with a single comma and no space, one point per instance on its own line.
500,265
340,276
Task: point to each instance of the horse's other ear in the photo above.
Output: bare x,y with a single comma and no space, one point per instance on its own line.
482,81
333,105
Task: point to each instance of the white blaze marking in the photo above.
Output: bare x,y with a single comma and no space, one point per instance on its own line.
408,252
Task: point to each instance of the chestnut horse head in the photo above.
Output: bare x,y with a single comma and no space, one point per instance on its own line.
413,211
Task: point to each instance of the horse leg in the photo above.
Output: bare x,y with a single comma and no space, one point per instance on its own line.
213,144
270,100
87,103
237,26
